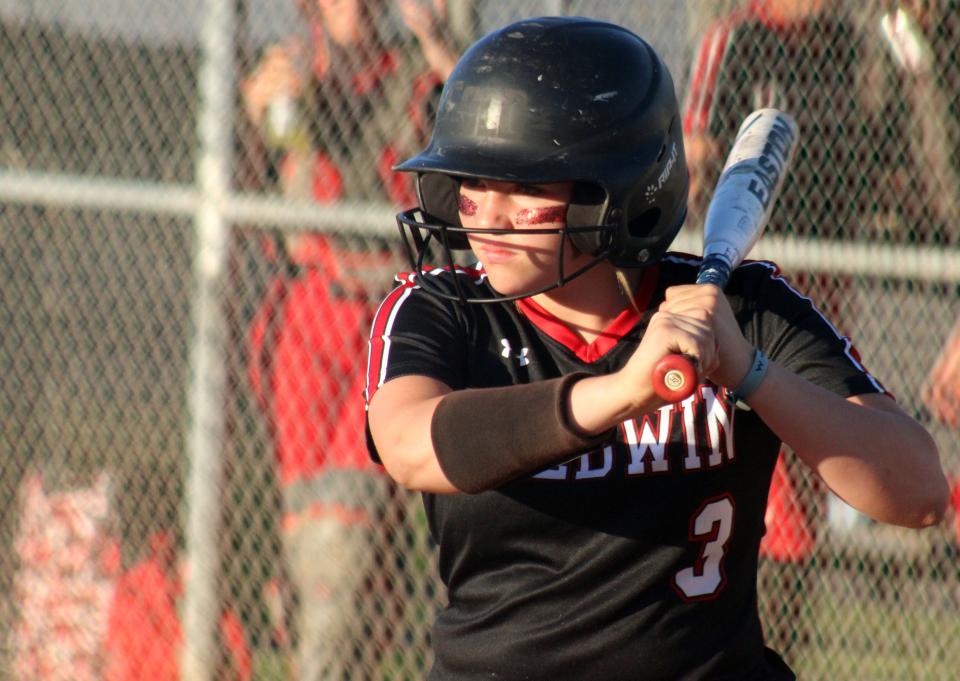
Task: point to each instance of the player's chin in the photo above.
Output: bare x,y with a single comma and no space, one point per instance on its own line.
511,283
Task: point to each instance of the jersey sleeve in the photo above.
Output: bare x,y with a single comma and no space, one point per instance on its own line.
414,333
791,331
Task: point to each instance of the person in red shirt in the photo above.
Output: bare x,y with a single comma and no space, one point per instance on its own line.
144,633
307,361
761,55
357,102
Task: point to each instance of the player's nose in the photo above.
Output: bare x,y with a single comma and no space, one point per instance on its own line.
493,210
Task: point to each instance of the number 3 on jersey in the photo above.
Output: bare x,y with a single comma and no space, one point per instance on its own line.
711,525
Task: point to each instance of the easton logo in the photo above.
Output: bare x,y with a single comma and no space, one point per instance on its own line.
771,163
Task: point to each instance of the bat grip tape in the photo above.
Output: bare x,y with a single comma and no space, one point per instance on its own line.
486,437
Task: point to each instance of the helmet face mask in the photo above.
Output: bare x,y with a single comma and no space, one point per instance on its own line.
557,99
423,235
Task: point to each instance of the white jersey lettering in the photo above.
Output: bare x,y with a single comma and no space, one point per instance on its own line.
689,406
706,440
586,472
646,441
711,525
555,473
719,427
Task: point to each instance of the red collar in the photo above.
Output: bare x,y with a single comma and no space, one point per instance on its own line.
558,330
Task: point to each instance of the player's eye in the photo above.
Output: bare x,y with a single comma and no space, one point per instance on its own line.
472,183
532,189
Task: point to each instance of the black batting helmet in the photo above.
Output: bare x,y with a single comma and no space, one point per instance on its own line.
559,99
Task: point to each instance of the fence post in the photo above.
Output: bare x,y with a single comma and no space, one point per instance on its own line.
557,8
207,370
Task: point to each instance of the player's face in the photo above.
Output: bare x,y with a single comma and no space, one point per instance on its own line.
517,262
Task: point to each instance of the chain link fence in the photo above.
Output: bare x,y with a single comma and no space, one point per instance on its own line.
196,216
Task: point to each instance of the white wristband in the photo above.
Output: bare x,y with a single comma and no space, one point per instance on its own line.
750,382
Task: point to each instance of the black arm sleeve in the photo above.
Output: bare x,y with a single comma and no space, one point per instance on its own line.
487,437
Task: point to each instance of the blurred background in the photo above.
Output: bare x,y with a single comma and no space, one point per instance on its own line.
196,223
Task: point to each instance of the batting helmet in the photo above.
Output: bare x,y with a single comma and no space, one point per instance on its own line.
559,99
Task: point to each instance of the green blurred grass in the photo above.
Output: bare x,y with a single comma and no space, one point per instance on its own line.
883,640
860,640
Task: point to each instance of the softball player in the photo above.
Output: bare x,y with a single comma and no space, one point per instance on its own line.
586,529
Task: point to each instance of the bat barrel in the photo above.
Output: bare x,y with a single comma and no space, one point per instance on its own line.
749,185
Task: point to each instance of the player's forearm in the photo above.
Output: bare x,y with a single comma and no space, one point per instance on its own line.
437,440
875,457
602,402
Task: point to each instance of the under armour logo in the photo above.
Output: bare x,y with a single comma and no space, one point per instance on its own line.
508,352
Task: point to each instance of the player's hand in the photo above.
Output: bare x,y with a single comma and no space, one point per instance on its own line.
693,320
733,353
276,75
680,325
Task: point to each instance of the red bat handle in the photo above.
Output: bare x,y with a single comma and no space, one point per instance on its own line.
674,378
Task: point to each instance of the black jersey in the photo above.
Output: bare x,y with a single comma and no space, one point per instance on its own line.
635,561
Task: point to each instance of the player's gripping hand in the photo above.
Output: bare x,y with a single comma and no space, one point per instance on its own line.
693,320
732,352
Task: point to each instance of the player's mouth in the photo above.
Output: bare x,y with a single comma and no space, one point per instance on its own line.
490,253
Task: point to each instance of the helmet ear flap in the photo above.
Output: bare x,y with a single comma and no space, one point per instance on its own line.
438,198
588,207
657,206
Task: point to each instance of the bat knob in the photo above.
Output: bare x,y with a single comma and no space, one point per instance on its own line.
674,378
